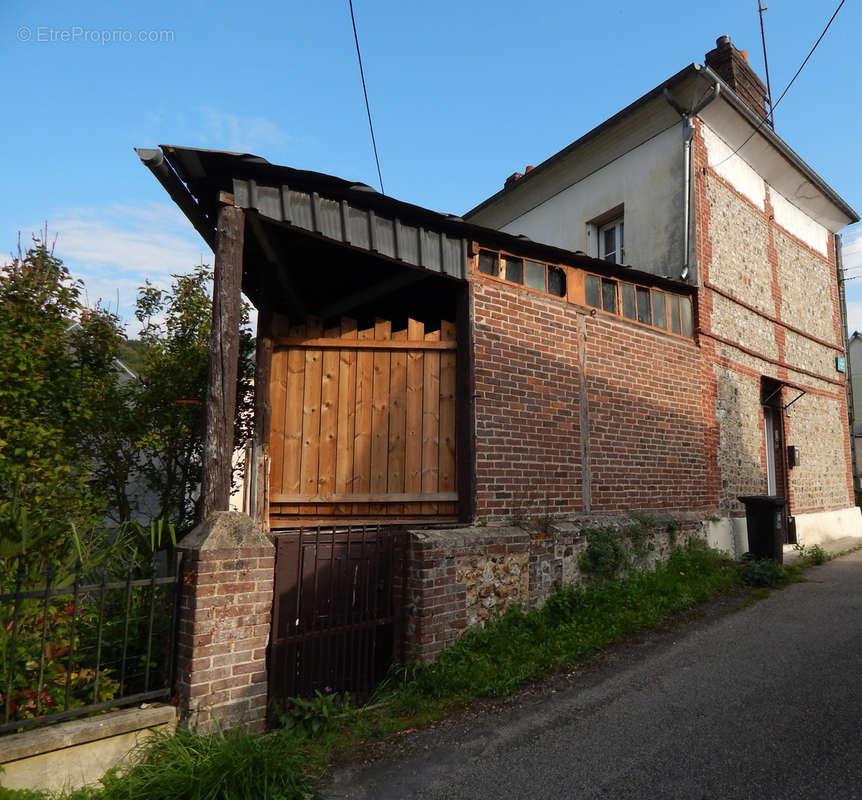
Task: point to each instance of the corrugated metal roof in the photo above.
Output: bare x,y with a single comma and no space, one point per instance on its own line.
356,225
355,214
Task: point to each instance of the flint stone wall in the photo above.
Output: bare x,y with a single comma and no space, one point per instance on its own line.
459,579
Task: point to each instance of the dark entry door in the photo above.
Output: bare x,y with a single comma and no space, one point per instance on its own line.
777,479
333,612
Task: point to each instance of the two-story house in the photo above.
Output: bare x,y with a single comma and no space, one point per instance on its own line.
691,182
416,366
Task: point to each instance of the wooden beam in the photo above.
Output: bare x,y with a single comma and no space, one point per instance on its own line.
400,280
262,421
223,361
366,497
466,410
281,342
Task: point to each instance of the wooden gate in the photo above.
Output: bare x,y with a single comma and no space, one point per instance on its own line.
363,423
334,615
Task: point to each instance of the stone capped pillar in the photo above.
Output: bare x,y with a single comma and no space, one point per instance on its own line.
224,622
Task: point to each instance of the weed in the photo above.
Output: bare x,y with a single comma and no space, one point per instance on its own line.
604,556
764,572
310,717
812,554
640,534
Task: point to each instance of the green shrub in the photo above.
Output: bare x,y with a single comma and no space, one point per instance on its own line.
604,556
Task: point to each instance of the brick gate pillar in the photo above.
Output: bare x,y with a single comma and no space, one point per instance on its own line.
224,623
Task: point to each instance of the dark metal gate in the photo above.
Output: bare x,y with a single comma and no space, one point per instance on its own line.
334,611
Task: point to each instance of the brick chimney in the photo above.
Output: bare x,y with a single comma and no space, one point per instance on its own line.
732,67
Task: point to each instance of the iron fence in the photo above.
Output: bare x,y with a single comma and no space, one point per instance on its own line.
73,642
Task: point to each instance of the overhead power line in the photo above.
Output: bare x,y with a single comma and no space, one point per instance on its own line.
365,92
786,88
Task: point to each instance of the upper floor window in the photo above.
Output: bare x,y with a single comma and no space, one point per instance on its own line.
660,309
612,241
535,275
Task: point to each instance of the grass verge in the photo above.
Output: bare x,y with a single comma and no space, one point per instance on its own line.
575,623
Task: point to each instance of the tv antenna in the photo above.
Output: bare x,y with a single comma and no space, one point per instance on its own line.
761,7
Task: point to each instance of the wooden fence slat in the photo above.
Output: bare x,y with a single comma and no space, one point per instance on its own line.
413,433
397,422
346,414
278,403
363,431
328,419
430,422
447,461
308,473
380,411
362,434
293,418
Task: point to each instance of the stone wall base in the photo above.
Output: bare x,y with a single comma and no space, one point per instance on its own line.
459,578
69,755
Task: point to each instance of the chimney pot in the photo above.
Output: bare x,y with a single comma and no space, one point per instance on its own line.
529,168
722,41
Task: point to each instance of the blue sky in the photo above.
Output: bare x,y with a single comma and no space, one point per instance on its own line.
462,93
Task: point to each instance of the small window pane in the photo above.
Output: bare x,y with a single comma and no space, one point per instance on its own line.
513,269
644,306
659,317
609,245
622,245
487,262
592,292
609,296
685,314
674,312
534,275
628,295
556,282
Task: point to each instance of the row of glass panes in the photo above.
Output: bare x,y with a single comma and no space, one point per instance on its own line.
532,274
663,310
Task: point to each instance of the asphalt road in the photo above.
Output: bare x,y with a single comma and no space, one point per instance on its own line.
761,703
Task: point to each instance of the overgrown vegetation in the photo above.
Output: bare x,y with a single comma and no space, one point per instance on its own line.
575,623
233,766
83,438
97,462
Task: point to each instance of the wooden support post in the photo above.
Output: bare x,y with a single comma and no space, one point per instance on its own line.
223,360
262,421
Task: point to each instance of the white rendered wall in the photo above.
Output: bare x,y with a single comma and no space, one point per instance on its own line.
736,171
647,180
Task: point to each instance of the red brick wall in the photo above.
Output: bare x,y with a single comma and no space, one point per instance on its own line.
528,443
646,410
646,419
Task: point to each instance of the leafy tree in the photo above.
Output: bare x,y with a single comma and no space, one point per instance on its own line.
45,376
81,436
175,335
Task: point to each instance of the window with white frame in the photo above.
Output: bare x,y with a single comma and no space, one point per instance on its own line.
612,241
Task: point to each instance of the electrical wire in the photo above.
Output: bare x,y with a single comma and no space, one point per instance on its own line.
365,92
786,88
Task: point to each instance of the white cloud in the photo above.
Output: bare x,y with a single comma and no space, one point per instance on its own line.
114,250
242,134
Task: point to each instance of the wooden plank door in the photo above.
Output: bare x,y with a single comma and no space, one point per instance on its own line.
363,423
